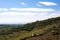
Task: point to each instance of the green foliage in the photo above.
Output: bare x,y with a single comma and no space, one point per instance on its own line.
18,32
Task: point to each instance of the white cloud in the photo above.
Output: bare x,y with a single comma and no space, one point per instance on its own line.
33,9
23,3
38,5
17,14
25,15
17,17
3,9
28,9
48,3
54,14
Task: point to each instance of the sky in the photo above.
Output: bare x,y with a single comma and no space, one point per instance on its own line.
26,11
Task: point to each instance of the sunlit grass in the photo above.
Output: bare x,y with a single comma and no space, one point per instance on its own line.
36,31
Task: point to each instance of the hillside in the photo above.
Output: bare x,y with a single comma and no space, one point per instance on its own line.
29,30
49,34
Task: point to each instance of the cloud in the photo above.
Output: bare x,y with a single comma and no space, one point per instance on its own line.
54,14
48,3
17,17
33,9
28,9
17,14
38,5
26,15
26,18
23,3
3,9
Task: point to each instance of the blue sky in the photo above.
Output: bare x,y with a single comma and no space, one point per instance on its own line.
26,11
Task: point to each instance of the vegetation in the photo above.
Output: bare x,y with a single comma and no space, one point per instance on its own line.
18,32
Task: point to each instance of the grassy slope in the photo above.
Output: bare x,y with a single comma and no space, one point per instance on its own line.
22,34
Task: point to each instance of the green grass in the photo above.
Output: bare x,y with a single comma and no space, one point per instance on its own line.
23,34
36,31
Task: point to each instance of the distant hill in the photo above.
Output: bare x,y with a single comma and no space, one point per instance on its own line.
19,32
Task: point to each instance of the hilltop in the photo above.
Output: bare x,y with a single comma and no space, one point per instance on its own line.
28,30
